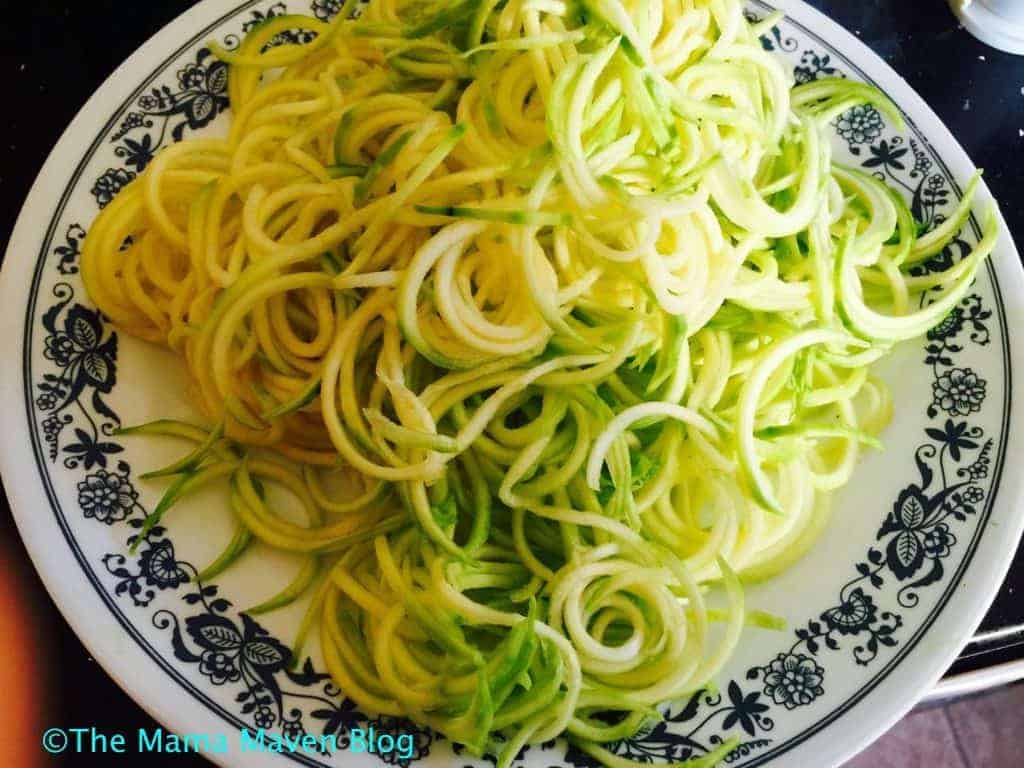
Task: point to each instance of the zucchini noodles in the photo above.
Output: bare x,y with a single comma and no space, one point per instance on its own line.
557,320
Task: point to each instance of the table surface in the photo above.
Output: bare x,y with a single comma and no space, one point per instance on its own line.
54,54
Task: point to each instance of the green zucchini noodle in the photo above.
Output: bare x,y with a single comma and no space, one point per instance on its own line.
557,320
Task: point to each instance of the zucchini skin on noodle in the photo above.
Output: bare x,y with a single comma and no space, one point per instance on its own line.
556,319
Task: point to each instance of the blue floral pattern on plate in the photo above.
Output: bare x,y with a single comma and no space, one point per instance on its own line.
919,533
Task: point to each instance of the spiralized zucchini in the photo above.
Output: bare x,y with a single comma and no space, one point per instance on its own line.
556,320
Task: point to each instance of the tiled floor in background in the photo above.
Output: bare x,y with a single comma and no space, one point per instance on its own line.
978,732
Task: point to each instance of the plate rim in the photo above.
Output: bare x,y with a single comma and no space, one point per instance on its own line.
78,603
123,657
1008,285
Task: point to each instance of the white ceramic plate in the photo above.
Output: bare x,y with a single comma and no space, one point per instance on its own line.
917,548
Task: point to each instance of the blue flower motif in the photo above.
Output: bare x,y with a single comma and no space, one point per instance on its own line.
979,469
950,326
191,76
325,10
959,392
107,497
860,125
220,667
854,613
955,436
137,153
161,568
973,494
746,710
88,451
52,425
47,401
264,717
794,680
939,541
112,181
292,730
59,348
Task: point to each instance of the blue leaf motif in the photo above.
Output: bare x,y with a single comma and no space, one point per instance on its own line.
103,409
924,470
97,367
265,653
83,327
217,78
213,633
65,294
905,554
911,509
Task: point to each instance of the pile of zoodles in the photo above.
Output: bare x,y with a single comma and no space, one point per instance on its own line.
557,320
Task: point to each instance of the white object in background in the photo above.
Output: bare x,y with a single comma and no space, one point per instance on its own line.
974,682
999,23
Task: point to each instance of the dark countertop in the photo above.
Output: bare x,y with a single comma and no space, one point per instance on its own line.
54,54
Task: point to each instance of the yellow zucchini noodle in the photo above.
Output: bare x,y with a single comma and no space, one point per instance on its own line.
555,316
